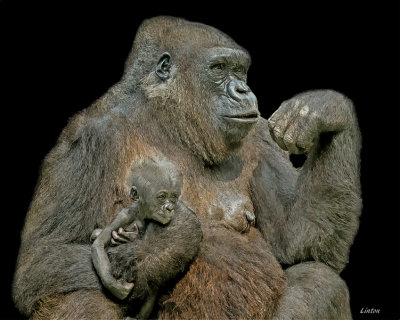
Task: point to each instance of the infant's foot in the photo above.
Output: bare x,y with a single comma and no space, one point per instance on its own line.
121,289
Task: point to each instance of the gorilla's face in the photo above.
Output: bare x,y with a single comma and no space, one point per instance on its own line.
233,103
203,99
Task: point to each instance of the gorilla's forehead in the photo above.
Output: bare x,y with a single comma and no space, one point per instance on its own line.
234,54
200,35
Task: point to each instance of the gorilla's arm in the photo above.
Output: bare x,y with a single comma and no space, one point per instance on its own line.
311,213
75,194
160,256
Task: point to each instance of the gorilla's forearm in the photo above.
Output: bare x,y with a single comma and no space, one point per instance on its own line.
314,211
49,268
329,198
323,221
160,256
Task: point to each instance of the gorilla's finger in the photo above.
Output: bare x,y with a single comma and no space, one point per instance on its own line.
289,139
306,136
279,114
278,137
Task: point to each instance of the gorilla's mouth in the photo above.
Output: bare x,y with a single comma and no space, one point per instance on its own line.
244,117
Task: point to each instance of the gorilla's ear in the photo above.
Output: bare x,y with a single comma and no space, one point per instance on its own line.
134,194
163,66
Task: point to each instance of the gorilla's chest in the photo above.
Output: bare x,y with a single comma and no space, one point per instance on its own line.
221,195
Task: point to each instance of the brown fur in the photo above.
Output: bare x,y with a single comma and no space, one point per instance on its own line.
87,305
228,280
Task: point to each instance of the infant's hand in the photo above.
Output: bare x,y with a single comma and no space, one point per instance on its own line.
95,234
121,236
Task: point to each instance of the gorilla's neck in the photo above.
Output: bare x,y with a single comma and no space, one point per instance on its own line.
171,127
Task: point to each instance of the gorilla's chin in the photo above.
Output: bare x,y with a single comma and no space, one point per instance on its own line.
237,129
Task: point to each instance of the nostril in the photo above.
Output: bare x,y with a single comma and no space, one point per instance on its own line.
242,88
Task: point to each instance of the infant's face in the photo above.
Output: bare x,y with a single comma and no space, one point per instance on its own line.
160,204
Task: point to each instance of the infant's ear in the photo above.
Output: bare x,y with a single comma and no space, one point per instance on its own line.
134,194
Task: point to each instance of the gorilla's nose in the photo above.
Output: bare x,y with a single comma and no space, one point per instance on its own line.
241,92
238,90
251,218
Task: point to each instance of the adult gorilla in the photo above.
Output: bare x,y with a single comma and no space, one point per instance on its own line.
184,96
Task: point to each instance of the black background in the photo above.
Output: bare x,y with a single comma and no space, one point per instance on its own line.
57,58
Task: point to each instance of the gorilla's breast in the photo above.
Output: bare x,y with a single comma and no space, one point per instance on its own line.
232,209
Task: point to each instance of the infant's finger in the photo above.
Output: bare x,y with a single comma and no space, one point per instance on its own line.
116,235
130,236
135,228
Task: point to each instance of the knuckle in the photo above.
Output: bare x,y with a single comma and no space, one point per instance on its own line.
271,122
288,138
278,131
304,110
297,103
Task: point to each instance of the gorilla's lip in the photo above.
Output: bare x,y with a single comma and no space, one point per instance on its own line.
248,117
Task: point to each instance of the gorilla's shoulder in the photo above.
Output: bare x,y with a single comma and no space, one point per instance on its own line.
96,124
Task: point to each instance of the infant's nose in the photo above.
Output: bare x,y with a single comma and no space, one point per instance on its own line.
251,218
169,207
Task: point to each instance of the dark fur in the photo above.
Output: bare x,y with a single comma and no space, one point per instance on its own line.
311,215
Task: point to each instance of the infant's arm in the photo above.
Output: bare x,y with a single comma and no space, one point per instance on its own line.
118,288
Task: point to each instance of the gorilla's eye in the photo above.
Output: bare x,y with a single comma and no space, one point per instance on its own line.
218,66
239,69
161,196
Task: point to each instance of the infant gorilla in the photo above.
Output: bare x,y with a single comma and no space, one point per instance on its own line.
156,187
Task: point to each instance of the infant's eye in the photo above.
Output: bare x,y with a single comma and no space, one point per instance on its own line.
161,197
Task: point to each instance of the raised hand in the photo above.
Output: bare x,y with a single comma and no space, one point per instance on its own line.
299,121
